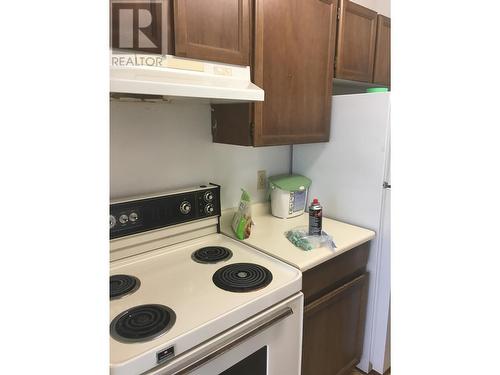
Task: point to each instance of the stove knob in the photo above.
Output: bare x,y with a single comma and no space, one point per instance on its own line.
123,219
133,217
208,196
209,209
185,207
112,221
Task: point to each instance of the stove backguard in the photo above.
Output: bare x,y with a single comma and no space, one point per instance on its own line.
158,211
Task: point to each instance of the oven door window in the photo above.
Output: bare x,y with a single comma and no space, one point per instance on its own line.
254,364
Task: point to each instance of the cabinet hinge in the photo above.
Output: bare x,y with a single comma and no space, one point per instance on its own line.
338,13
214,128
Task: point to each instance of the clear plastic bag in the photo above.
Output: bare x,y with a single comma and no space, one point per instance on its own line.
300,237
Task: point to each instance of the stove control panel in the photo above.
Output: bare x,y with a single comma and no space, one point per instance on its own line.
147,213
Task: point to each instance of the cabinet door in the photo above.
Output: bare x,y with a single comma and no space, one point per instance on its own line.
232,124
333,330
382,71
141,26
213,30
294,48
356,42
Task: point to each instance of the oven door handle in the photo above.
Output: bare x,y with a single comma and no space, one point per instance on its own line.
232,342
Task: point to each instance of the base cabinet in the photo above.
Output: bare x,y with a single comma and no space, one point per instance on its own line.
333,330
334,321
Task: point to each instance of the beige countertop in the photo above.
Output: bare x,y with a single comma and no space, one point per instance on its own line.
268,236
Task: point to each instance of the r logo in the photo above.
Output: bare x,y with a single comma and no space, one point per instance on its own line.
136,25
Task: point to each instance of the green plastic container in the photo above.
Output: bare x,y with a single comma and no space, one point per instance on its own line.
290,182
377,89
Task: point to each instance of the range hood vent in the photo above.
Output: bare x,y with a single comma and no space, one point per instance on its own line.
178,78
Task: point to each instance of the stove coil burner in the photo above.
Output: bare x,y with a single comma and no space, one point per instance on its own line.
120,285
142,323
212,254
242,277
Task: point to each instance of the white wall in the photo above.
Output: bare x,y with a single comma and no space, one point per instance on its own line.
161,146
380,6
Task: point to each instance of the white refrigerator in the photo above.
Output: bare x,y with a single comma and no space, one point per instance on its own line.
351,178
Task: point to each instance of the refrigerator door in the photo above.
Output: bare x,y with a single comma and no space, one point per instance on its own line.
348,172
380,338
348,176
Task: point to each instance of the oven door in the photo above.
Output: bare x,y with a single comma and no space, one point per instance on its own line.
269,343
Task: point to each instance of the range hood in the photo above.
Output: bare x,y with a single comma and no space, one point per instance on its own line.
179,78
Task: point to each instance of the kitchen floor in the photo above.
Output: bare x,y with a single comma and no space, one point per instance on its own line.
355,371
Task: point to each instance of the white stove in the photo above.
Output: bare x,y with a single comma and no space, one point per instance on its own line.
187,299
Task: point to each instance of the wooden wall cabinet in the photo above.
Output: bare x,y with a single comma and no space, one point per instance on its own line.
294,44
382,69
218,30
213,30
290,47
334,313
357,32
294,49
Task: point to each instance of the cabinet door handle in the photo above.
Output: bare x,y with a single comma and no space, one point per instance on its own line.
311,307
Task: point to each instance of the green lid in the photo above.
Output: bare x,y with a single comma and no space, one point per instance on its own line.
377,89
288,182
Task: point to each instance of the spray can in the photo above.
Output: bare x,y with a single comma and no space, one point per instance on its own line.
315,215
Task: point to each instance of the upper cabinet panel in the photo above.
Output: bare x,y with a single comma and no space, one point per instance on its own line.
382,71
213,30
294,49
356,42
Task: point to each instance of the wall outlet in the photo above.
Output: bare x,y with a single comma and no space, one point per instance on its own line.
261,180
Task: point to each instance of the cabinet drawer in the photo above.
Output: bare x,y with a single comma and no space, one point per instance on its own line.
334,272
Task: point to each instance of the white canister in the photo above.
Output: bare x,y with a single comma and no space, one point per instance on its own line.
288,195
